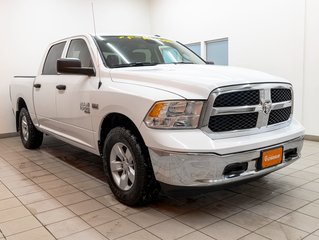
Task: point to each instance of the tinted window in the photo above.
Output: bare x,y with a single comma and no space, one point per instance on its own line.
54,54
79,49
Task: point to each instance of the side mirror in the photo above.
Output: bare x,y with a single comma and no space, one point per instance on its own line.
210,63
73,66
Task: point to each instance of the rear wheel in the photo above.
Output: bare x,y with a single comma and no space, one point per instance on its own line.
128,168
30,136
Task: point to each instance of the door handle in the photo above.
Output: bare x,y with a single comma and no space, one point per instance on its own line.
60,87
37,85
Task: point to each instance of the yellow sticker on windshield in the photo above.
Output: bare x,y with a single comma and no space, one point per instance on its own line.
144,38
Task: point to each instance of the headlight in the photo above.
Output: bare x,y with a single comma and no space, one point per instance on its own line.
174,114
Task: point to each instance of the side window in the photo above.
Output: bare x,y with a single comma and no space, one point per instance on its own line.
54,54
79,49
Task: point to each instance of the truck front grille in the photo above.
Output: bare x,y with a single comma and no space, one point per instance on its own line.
279,115
233,99
280,95
233,122
249,107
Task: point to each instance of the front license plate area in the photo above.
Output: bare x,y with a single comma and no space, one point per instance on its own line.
270,158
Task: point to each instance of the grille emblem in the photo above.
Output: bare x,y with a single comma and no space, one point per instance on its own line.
266,107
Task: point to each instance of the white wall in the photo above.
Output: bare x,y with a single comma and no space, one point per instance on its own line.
311,77
27,27
263,35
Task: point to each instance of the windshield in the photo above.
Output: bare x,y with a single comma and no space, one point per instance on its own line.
128,51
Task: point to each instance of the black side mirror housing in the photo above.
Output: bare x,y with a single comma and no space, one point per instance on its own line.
73,66
210,63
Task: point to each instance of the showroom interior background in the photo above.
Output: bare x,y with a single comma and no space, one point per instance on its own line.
281,40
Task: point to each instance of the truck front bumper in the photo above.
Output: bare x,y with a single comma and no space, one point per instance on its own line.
211,169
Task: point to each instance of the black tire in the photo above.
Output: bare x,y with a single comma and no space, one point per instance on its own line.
144,188
30,136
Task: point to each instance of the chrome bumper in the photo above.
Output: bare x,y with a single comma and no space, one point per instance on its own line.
207,169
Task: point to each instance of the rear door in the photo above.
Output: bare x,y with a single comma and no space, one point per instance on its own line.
74,103
44,91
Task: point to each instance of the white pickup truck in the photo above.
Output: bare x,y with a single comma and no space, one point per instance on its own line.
157,113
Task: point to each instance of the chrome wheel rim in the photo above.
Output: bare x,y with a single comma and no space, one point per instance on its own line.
25,128
122,166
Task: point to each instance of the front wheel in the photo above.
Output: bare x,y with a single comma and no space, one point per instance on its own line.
128,168
30,136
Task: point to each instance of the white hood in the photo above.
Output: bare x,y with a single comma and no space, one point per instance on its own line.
191,81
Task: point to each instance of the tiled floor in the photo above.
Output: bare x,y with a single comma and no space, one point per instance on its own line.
43,197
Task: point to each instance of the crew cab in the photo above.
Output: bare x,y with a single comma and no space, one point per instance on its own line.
157,114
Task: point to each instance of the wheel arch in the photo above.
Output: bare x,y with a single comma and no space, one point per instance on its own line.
20,104
113,120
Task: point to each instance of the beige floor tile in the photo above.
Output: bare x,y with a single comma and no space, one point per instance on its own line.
300,221
305,175
312,186
253,236
85,207
38,173
288,202
55,215
9,203
67,227
77,178
262,194
5,193
19,183
34,234
197,219
43,206
197,236
88,184
313,169
44,178
311,209
249,220
34,197
26,190
67,173
108,200
222,210
53,184
269,210
280,231
223,230
100,217
311,237
13,213
148,218
117,228
19,225
98,191
72,198
242,201
170,229
140,235
89,234
316,233
303,194
126,210
64,190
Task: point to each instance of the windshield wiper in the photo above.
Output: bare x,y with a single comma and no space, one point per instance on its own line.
134,64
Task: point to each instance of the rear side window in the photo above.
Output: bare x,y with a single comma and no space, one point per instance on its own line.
54,54
79,49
